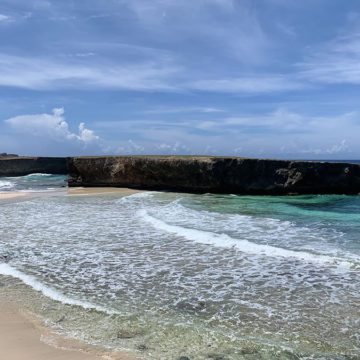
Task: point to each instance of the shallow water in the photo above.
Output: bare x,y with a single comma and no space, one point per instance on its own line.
33,182
204,276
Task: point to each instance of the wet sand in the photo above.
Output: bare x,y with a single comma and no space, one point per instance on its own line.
23,337
11,195
76,191
101,190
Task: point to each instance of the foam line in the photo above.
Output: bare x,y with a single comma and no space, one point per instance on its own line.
4,184
31,281
224,240
135,197
39,174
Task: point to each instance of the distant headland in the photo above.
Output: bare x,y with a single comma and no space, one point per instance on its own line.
195,174
2,155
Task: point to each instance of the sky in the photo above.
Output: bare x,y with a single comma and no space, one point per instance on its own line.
256,78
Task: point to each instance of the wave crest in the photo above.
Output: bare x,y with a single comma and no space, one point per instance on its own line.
224,240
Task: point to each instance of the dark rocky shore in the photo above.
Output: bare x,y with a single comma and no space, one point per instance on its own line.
195,174
20,166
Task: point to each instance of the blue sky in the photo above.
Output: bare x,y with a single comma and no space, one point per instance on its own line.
261,78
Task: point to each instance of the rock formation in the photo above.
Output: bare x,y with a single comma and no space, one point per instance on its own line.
196,174
216,175
8,155
19,166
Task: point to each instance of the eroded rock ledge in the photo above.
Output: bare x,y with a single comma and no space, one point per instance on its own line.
216,175
19,166
196,174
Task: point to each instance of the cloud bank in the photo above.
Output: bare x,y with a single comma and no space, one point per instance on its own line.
225,77
281,133
52,131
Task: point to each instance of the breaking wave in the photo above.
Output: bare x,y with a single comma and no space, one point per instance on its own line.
224,240
31,281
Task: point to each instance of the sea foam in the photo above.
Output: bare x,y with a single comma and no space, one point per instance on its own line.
38,174
143,257
47,291
224,240
6,185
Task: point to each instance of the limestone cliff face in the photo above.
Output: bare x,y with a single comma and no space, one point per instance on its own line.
19,166
196,174
216,174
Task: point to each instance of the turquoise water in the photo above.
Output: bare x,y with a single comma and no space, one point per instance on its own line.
203,276
33,182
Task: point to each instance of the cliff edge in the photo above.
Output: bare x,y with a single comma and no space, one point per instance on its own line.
19,166
195,174
215,174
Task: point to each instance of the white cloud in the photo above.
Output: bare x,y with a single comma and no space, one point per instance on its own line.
51,127
248,84
238,150
130,148
223,32
209,150
15,18
40,73
340,148
289,133
184,109
232,26
4,18
86,135
158,74
338,61
281,120
172,149
281,132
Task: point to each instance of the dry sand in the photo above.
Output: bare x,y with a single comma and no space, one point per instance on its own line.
101,190
11,195
23,338
76,191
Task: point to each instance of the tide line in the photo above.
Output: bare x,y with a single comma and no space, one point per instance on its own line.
224,240
53,294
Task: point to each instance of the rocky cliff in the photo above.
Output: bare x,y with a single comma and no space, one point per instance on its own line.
196,174
216,174
19,166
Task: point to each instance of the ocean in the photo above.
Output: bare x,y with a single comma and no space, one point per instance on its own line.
201,276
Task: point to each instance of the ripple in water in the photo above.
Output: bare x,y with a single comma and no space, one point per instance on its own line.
203,276
33,182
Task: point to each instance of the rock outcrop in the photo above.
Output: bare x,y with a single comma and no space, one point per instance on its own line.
195,174
216,174
19,166
8,155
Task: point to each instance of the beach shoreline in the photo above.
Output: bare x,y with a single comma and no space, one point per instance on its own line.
75,191
24,336
84,191
113,270
11,195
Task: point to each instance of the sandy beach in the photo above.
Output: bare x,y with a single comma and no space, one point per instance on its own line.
23,337
101,190
76,191
11,195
